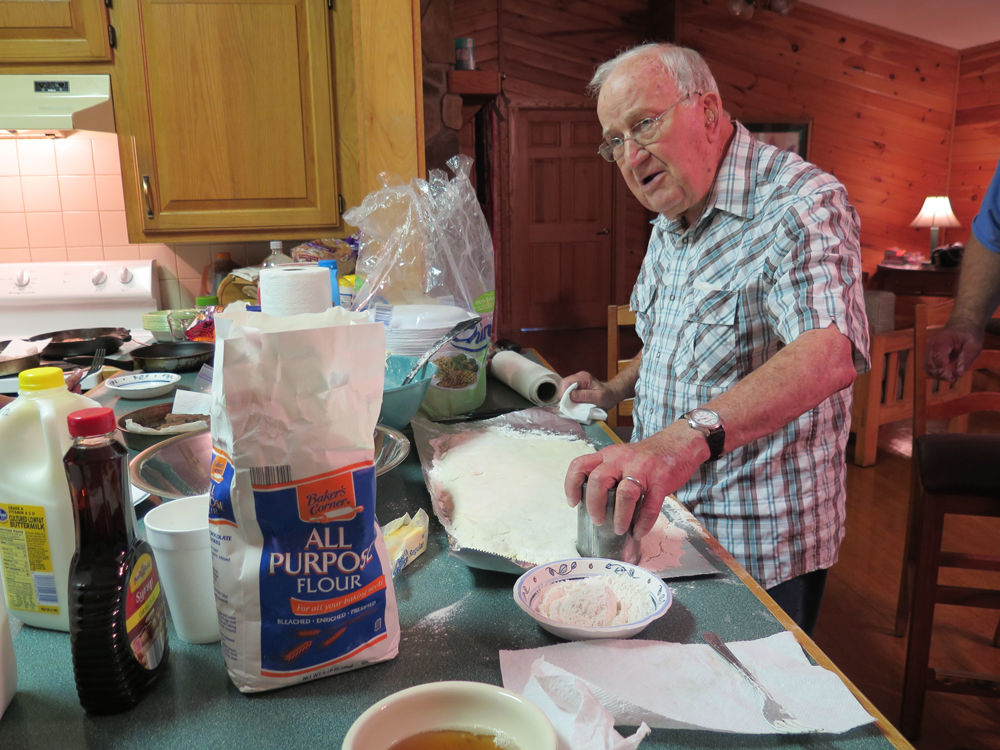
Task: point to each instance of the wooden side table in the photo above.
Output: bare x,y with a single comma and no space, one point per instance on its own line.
915,280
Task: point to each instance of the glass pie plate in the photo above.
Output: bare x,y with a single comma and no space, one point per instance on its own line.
181,466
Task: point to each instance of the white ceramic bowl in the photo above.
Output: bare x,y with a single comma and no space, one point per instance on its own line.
531,585
470,706
141,385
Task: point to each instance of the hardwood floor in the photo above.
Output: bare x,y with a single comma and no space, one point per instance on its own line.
856,619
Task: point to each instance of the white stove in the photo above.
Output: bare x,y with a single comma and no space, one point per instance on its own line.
40,298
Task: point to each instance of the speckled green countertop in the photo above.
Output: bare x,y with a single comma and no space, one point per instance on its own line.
454,621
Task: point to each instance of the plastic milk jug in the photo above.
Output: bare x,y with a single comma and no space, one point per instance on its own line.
37,537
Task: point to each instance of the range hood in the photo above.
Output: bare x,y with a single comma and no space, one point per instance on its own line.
48,103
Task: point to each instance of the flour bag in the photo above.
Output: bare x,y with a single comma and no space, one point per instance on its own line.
302,580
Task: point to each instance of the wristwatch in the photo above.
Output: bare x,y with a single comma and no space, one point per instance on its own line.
708,423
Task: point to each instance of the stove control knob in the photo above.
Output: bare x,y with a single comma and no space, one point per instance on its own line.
98,277
126,275
22,279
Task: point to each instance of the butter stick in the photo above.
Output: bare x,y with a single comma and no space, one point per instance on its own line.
405,539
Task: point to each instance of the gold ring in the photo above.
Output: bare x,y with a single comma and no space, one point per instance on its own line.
642,490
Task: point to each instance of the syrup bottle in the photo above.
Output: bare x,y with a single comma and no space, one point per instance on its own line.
118,630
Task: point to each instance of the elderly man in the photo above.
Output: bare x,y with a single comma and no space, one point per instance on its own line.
750,311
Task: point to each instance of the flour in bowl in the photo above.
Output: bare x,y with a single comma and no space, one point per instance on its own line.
500,490
595,601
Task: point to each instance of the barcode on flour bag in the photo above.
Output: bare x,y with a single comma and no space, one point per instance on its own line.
303,582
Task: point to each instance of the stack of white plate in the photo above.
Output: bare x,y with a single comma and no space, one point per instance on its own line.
412,329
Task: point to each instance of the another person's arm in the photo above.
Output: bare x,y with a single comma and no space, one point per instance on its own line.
952,349
806,372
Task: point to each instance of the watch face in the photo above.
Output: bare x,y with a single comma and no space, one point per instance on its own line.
704,417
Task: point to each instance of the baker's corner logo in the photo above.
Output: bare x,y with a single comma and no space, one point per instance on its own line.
218,468
330,498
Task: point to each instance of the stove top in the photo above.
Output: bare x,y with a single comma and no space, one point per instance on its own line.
42,297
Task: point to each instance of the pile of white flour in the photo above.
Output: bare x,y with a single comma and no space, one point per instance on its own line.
501,491
596,601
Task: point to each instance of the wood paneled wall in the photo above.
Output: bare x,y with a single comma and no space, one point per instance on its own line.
894,117
547,53
881,104
976,138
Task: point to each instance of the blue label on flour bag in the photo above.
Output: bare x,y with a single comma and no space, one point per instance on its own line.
322,587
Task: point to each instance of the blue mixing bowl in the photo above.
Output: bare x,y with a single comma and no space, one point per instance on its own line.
400,403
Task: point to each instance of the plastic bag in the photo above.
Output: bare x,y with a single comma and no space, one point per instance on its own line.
427,243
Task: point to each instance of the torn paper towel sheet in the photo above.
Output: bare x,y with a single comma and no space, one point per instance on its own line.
682,686
581,412
580,721
536,383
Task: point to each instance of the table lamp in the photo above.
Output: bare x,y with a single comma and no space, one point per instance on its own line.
935,213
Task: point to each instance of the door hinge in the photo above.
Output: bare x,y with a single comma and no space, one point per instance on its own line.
109,4
329,4
341,203
112,37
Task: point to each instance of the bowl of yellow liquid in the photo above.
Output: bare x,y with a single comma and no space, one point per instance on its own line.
449,715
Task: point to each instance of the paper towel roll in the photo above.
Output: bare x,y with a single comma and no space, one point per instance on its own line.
293,288
536,383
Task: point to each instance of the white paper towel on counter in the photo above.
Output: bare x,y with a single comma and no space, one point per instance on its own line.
580,721
686,686
295,288
536,383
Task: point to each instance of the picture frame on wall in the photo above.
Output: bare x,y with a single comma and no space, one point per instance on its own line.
790,136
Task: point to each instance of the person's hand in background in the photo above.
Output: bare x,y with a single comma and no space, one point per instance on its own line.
950,352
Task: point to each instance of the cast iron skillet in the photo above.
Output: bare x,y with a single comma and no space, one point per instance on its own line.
82,341
181,356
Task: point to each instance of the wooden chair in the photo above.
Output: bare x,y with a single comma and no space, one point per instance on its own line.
618,316
952,473
884,394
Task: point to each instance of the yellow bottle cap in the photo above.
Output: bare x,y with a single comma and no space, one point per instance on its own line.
40,379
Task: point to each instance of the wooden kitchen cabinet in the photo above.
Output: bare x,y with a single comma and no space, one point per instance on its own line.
262,119
33,31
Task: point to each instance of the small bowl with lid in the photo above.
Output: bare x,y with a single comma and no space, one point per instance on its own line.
582,598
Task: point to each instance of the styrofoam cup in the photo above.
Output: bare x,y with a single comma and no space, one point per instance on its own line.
178,533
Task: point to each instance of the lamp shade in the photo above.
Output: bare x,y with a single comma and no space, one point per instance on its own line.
936,212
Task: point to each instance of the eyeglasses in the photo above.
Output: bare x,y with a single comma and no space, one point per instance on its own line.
642,133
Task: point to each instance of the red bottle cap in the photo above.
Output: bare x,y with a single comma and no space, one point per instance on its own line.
99,420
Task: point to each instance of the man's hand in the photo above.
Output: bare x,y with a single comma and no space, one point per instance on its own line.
645,473
950,352
590,391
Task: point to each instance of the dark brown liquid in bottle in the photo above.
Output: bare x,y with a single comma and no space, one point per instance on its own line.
116,607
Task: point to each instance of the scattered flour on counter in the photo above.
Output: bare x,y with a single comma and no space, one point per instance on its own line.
502,491
595,601
660,550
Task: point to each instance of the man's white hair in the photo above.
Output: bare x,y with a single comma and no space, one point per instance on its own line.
686,67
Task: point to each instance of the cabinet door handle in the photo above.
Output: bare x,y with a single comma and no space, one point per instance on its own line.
604,231
148,195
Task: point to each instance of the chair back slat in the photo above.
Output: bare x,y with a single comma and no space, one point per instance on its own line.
618,316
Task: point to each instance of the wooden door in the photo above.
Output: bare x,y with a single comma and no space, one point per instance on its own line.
228,117
561,273
37,31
